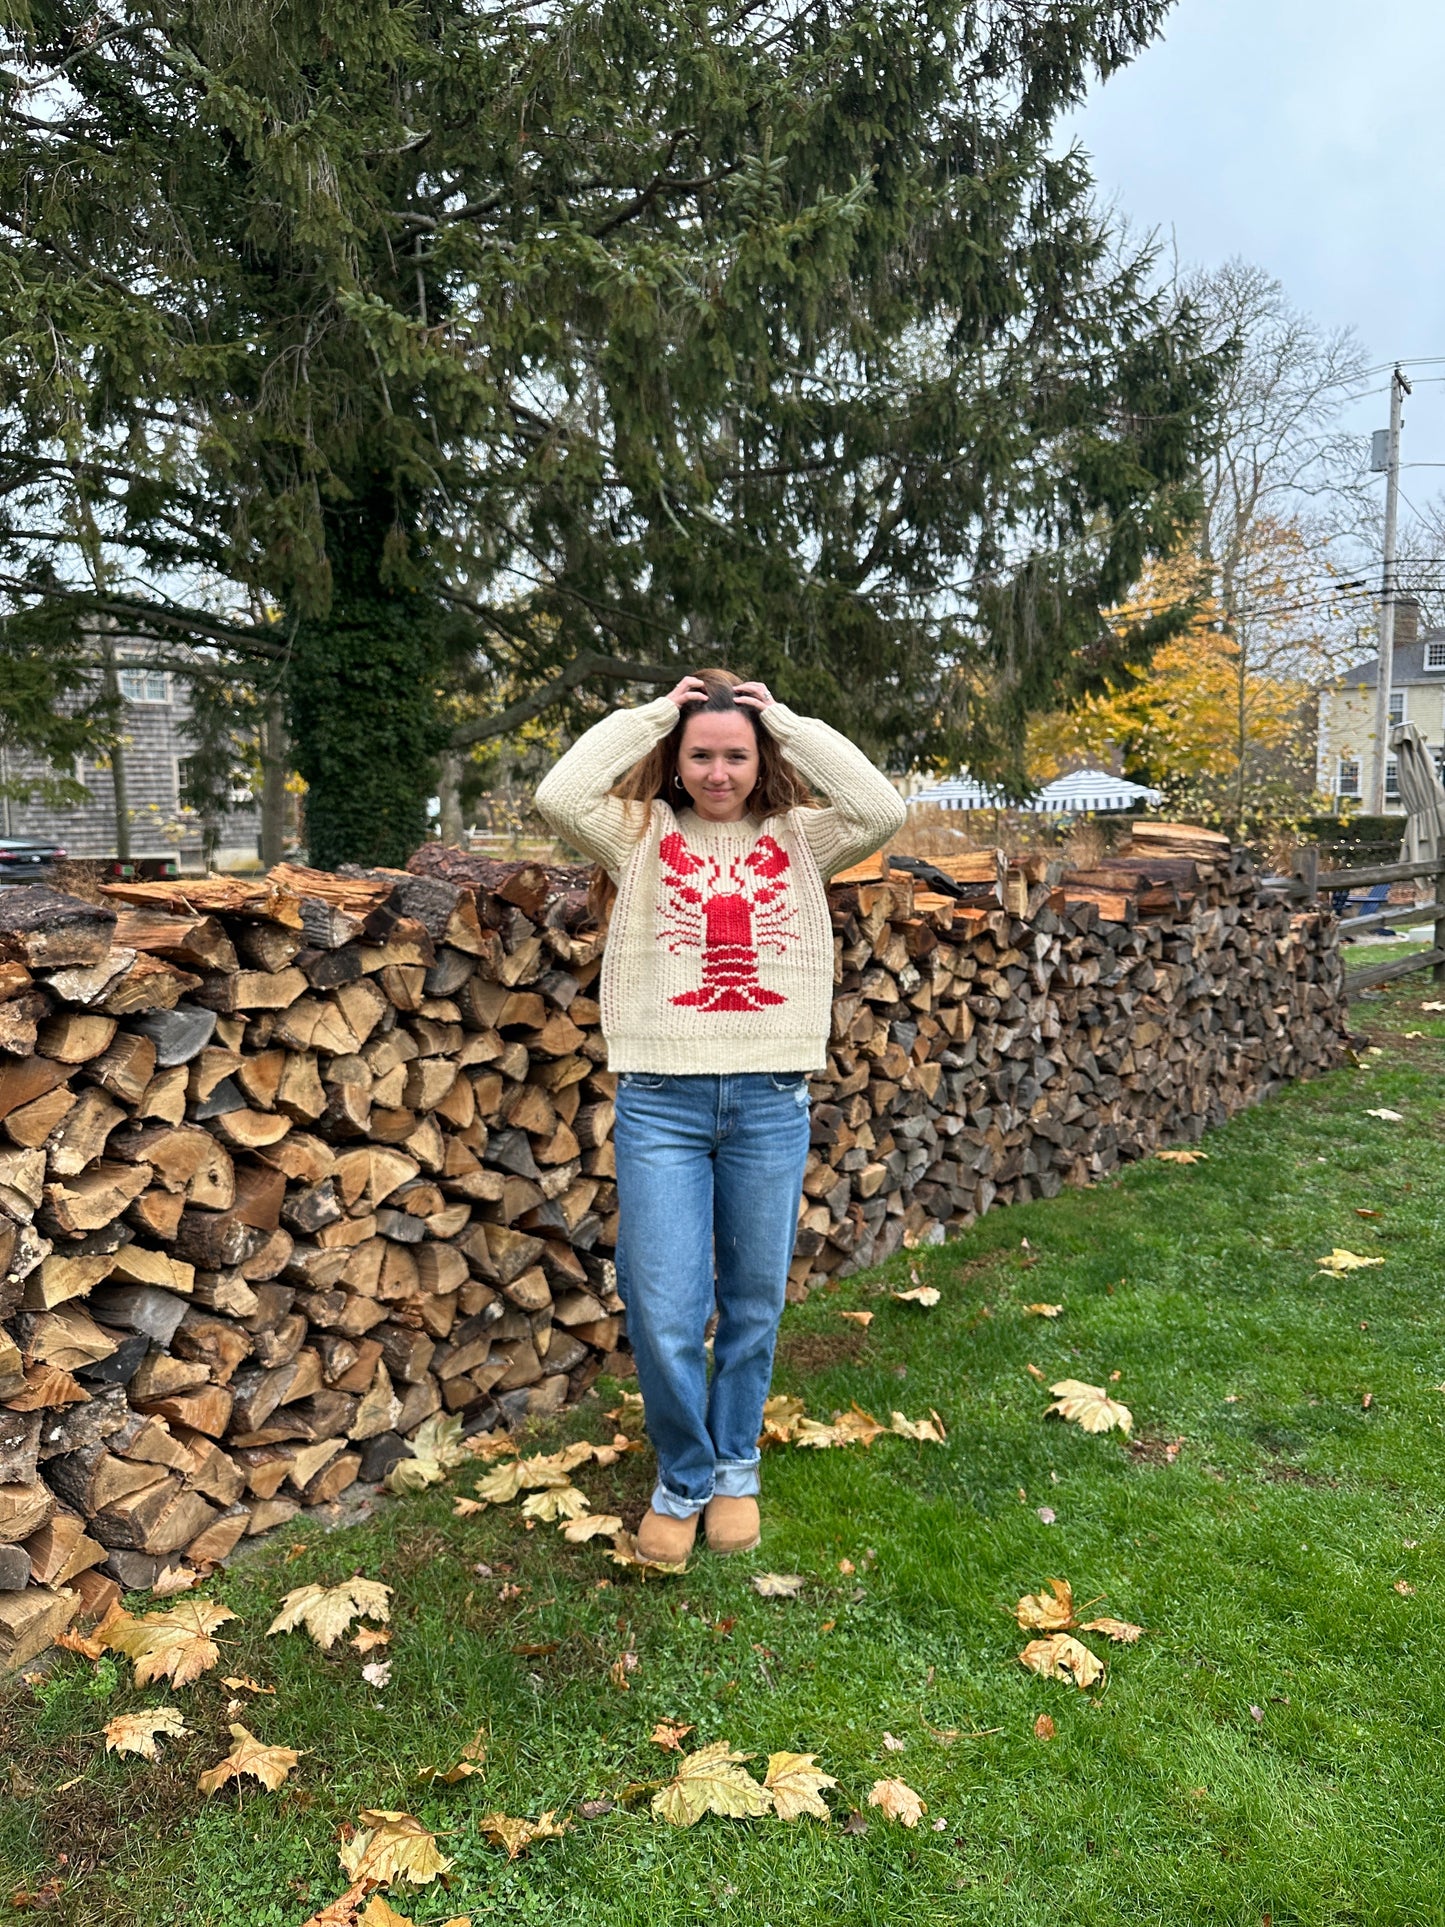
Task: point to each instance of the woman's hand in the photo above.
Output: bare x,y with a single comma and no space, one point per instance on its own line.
691,689
753,695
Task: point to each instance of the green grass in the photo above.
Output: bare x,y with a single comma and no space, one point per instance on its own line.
1270,1749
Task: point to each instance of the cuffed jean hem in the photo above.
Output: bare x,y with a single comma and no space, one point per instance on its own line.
732,1479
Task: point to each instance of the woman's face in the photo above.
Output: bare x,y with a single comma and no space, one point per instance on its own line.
717,760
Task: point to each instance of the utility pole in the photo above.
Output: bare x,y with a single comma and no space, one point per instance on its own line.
1399,388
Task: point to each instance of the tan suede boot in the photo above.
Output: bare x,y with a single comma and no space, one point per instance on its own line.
664,1539
732,1525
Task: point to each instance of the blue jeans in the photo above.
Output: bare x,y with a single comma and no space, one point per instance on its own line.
709,1174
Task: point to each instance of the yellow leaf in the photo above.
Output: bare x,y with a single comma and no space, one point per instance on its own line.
812,1432
176,1645
327,1611
592,1525
929,1430
241,1684
473,1760
436,1446
501,1484
1340,1262
392,1846
1122,1630
781,1417
623,1552
341,1912
268,1764
1038,1613
796,1785
898,1801
175,1579
379,1912
369,1638
1089,1407
1042,1311
863,1318
669,1734
467,1508
925,1295
500,1830
777,1585
136,1732
1181,1157
491,1445
857,1427
1044,1728
554,1506
1060,1657
711,1780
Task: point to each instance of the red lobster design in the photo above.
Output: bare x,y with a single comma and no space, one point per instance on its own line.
728,916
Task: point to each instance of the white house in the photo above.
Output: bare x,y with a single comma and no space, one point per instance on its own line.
1345,746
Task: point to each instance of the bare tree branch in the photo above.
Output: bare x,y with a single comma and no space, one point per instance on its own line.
581,669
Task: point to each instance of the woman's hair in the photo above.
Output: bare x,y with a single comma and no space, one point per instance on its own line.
779,786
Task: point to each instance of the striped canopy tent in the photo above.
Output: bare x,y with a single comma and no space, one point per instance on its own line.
1080,793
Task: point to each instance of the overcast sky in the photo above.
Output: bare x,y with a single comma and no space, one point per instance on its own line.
1305,136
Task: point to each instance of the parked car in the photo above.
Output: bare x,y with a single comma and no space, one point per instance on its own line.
24,862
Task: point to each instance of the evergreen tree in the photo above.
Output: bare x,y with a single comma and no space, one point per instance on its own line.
573,343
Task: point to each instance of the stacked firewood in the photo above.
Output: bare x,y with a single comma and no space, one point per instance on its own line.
290,1167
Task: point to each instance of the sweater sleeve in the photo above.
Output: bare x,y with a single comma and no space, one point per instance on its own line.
864,809
573,795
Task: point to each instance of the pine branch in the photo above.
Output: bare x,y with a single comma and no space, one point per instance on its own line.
581,669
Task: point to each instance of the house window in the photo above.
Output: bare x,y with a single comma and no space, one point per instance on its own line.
145,685
1349,781
1397,706
1392,777
1435,655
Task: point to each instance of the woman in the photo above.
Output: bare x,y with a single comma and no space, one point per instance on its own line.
717,985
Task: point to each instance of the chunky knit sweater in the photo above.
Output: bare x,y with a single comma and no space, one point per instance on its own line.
720,951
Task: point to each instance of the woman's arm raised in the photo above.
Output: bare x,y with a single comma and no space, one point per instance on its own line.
864,809
573,795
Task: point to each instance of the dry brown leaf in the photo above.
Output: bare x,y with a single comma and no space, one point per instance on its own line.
556,1505
857,1427
925,1295
467,1508
1182,1157
502,1484
813,1433
1042,1311
379,1912
268,1764
1039,1613
1341,1262
176,1645
174,1579
898,1801
592,1525
436,1446
1089,1407
778,1585
239,1683
782,1415
341,1912
97,1640
670,1734
1124,1631
368,1638
491,1445
327,1611
929,1430
390,1847
137,1732
619,1669
1062,1657
516,1836
1044,1728
1034,1372
796,1785
1390,1117
712,1780
863,1318
473,1760
623,1552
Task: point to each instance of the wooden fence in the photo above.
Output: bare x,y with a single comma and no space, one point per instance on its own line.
1307,883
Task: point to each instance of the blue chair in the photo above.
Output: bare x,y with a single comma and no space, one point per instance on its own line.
1376,898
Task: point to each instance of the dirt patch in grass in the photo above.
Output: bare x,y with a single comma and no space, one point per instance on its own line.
1281,1472
1154,1451
806,1352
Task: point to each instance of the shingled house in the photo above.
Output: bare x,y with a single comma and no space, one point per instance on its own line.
1346,736
154,747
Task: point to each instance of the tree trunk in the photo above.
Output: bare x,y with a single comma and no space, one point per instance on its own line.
449,790
274,748
111,678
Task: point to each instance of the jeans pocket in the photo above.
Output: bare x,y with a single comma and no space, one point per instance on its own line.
643,1080
795,1082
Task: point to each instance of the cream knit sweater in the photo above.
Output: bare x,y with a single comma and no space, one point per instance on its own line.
720,952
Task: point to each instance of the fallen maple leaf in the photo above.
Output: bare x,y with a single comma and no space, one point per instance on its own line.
781,1416
669,1735
863,1318
436,1446
368,1638
377,1674
463,1508
556,1505
778,1585
502,1483
239,1683
516,1836
712,1780
379,1912
1034,1372
1044,1728
344,1911
268,1764
619,1669
137,1732
1341,1261
591,1525
928,1430
857,1427
892,1745
389,1847
473,1760
97,1640
1042,1311
623,1552
1124,1631
1390,1117
925,1295
327,1611
1061,1657
898,1801
176,1645
1181,1157
1089,1407
1039,1613
174,1579
796,1785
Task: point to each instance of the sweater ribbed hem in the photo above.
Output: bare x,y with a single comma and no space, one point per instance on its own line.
682,1057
